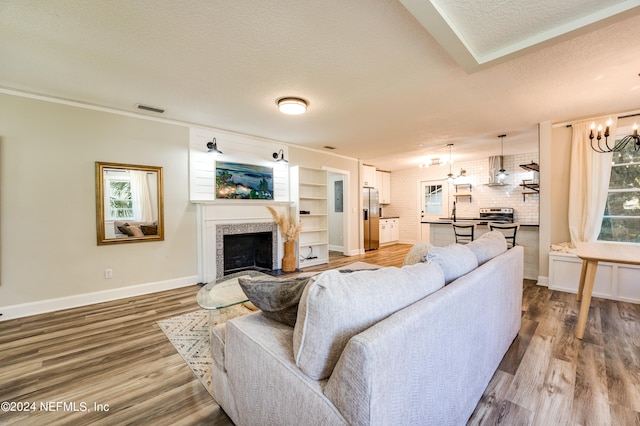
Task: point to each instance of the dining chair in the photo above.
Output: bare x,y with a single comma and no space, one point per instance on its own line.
464,232
508,229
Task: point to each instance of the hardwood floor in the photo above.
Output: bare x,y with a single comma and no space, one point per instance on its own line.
114,355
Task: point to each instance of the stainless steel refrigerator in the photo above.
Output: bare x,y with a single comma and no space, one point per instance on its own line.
371,217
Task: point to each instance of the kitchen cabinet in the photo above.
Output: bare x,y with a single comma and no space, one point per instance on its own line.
369,176
383,184
389,231
309,194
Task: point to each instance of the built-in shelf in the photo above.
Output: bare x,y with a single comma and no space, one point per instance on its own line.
534,167
309,193
530,186
463,186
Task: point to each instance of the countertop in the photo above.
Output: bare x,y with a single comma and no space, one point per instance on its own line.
463,219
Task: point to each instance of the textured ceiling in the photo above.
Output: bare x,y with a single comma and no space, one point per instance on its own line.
384,84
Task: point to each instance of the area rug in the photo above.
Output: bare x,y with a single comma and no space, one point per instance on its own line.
189,334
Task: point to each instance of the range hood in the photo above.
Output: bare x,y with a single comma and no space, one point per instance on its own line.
495,164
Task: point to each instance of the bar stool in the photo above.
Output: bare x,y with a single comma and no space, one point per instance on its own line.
508,229
463,231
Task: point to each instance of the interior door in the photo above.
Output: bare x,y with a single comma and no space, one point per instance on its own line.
433,200
433,205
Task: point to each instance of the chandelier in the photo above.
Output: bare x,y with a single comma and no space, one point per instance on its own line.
604,147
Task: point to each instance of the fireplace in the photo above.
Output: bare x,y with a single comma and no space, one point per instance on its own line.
242,246
247,251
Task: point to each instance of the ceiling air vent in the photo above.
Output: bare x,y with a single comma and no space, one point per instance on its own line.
150,108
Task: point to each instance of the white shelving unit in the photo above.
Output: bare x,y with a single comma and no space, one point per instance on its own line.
309,194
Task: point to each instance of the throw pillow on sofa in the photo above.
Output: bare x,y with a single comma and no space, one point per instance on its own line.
488,246
334,307
416,253
276,298
131,230
455,260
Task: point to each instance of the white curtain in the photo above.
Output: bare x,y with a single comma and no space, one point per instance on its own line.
588,182
141,196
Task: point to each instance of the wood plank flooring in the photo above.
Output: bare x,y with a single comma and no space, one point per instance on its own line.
113,354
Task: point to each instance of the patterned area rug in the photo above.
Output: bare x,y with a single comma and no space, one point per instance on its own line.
189,334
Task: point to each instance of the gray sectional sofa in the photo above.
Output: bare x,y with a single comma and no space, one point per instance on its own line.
415,345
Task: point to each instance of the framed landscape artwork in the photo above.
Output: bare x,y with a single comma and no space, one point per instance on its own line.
243,181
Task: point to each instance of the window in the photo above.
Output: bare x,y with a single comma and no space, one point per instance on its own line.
433,199
621,220
119,199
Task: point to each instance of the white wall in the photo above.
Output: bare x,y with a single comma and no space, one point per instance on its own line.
405,196
47,199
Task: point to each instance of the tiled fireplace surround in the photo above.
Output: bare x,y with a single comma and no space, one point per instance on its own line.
241,229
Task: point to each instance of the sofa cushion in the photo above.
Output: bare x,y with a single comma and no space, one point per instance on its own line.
334,307
276,298
416,253
217,337
488,246
455,260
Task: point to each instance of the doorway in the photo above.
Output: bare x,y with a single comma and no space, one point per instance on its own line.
338,209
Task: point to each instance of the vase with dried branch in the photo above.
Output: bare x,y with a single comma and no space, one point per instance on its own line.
290,230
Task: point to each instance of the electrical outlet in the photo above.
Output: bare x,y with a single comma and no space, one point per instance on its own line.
108,273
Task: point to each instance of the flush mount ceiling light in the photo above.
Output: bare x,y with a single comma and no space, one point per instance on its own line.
279,157
292,106
502,173
213,147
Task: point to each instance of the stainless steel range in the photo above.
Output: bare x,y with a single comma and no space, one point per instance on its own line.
496,214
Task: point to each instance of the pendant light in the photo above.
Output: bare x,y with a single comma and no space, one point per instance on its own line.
502,173
450,176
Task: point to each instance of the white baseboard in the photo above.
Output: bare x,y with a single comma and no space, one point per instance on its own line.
57,304
543,281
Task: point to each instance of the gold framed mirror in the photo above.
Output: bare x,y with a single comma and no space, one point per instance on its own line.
129,203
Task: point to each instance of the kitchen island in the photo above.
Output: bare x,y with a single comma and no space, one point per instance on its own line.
441,235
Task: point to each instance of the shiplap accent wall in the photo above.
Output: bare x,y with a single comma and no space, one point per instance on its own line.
236,148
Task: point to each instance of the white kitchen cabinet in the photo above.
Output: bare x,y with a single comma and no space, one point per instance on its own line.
389,231
383,184
369,176
395,230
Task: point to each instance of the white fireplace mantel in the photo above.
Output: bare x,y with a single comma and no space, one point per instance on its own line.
210,215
